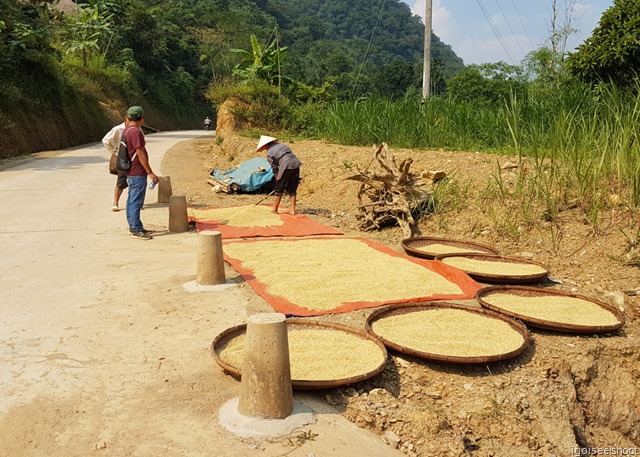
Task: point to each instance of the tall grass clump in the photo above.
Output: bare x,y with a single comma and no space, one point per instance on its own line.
588,155
621,135
408,122
595,147
580,145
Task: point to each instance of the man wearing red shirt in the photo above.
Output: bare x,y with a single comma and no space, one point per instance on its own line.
137,175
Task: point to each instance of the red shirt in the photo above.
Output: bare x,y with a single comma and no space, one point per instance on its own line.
135,140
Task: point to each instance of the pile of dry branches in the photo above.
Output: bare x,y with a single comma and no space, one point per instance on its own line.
393,193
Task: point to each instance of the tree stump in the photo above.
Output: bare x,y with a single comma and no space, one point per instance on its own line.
392,194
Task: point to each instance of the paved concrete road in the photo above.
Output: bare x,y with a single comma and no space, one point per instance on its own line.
102,350
62,248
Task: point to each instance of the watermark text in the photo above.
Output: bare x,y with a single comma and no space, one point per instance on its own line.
610,450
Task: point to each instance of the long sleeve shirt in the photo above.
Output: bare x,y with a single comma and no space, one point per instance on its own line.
281,158
111,140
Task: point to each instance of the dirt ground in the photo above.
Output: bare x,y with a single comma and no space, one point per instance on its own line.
565,394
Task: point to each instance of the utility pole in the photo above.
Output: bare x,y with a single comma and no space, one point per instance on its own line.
426,70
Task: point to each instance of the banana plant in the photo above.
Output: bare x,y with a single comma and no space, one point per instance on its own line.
261,62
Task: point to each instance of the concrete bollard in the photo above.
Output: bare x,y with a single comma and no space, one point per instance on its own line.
265,387
164,189
210,268
178,217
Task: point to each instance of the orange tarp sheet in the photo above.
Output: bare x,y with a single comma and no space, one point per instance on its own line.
376,277
292,225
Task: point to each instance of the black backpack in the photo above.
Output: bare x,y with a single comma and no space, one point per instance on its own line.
123,163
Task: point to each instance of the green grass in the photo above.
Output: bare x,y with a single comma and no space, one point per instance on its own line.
577,145
409,124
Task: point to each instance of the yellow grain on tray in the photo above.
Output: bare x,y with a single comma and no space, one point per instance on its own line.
323,274
318,354
439,248
239,216
493,267
449,332
561,309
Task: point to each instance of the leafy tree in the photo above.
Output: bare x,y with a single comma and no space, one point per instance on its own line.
538,65
313,95
156,32
157,39
394,78
88,32
25,30
487,83
612,53
215,52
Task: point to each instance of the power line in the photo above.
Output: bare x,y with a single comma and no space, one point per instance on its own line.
510,29
522,23
493,27
367,52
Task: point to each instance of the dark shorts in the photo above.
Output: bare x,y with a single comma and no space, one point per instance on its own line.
289,182
121,183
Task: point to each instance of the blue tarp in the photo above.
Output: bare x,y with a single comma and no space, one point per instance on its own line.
249,176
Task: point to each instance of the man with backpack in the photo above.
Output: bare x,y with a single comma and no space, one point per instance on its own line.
138,172
111,141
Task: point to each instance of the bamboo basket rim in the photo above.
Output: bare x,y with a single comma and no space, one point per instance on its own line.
501,278
546,324
411,307
408,243
301,384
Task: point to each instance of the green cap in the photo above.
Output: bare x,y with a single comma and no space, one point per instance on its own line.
135,112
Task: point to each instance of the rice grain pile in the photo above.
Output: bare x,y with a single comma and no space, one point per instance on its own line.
239,216
440,248
555,308
323,274
449,332
493,267
318,354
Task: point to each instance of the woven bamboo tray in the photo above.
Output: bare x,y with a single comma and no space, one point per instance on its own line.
419,246
499,278
412,308
548,324
301,384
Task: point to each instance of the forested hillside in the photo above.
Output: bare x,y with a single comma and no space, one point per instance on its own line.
66,61
331,38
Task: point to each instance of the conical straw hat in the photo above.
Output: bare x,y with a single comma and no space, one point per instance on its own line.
265,140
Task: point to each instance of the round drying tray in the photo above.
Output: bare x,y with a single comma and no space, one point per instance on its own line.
552,309
429,248
448,332
496,269
357,354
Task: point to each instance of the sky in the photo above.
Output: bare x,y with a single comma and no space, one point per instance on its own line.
520,26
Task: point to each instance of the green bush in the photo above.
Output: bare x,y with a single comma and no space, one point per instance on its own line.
303,119
267,109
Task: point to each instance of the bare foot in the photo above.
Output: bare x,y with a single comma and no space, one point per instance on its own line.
274,211
292,212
